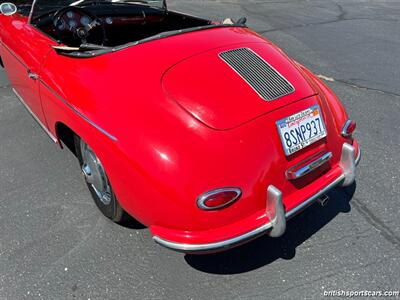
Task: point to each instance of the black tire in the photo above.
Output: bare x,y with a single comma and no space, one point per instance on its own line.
111,210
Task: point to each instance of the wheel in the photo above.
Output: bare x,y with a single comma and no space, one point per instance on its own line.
98,183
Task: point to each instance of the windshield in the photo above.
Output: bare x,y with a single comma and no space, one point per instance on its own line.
41,7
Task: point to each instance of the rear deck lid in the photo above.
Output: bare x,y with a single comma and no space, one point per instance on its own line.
229,86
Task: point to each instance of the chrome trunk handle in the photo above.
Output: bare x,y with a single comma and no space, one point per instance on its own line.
299,171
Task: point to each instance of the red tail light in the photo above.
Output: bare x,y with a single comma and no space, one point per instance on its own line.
349,128
218,199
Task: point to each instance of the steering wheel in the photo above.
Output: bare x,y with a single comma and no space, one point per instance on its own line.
64,18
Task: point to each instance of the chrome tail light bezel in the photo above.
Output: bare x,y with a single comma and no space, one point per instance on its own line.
206,196
345,130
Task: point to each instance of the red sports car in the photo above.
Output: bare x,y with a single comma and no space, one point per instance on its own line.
204,131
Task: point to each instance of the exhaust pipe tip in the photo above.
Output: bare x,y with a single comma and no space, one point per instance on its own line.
323,200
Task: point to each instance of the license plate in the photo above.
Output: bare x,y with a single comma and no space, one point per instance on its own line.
301,129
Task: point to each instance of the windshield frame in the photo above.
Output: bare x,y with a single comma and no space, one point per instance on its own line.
34,3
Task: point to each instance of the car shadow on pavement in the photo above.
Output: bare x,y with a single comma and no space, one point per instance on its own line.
132,223
266,250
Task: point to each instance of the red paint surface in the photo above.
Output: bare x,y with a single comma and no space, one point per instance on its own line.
185,124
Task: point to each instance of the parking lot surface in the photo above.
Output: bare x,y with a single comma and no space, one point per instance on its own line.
55,244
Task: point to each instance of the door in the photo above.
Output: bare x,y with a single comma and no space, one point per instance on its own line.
24,50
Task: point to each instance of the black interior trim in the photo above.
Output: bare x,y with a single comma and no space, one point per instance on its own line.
89,54
129,23
132,25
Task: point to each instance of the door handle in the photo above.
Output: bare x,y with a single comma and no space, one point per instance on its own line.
32,75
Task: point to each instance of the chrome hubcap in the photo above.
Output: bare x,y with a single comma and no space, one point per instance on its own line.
94,174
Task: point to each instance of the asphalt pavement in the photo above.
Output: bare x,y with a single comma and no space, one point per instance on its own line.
54,243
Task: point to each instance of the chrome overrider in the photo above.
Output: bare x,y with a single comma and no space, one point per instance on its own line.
275,210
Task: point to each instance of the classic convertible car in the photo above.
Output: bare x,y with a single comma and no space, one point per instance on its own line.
204,131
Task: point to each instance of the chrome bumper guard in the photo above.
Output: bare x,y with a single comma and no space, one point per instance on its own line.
275,211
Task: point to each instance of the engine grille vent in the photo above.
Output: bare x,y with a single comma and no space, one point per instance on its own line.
263,78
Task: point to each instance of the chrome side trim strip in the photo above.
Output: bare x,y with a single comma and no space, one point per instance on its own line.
77,112
55,140
226,244
59,97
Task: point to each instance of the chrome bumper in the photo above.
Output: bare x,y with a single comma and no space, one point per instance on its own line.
275,211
